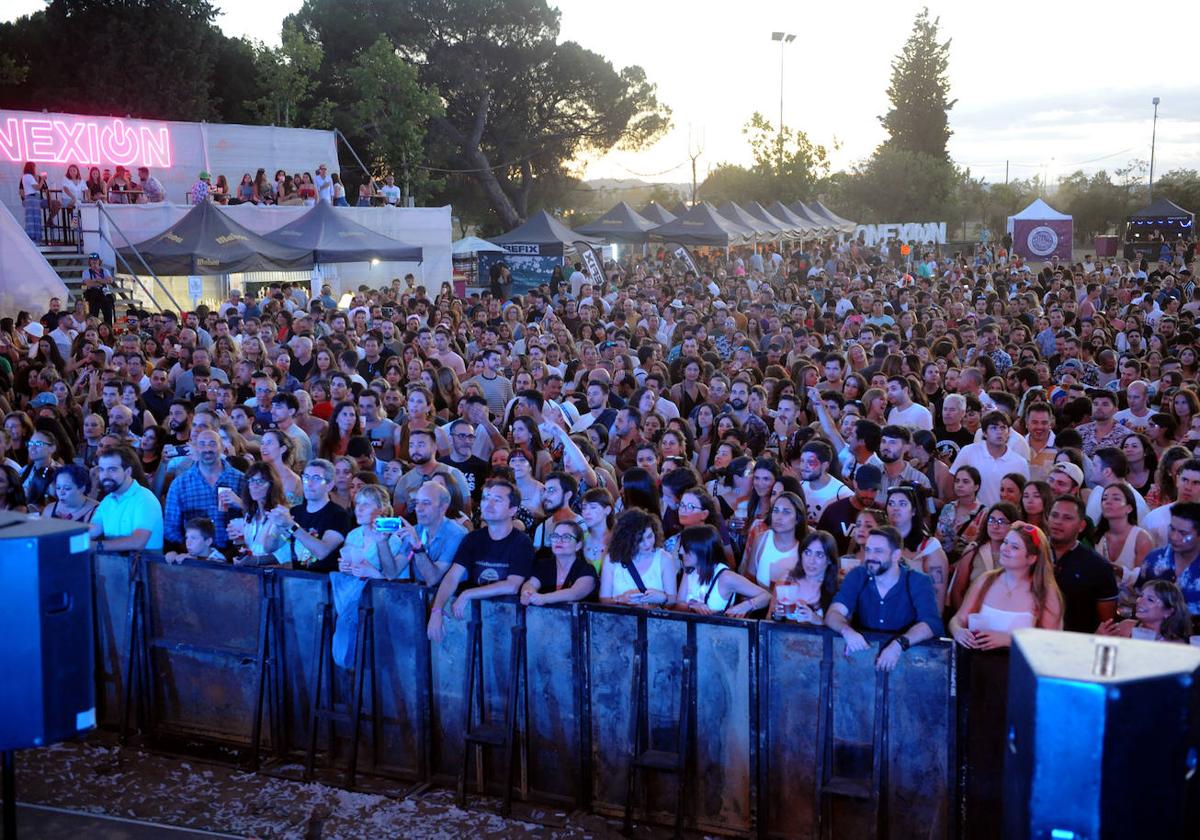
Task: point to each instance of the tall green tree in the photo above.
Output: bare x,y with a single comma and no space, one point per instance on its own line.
788,163
288,74
1181,186
152,58
520,106
390,106
919,92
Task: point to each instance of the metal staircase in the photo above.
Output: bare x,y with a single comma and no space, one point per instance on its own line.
69,263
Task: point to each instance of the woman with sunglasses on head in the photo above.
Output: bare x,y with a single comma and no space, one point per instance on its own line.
980,556
1020,592
708,585
564,577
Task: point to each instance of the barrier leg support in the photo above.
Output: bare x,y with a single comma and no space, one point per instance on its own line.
481,733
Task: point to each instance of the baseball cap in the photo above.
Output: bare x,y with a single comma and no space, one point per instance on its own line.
204,176
1070,471
44,398
868,477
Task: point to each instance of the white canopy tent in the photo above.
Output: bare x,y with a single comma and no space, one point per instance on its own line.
27,282
1037,211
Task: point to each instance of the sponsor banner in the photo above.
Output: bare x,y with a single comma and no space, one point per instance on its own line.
1039,240
933,233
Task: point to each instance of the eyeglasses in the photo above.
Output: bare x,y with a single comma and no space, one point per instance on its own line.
34,443
464,436
691,508
258,481
997,520
561,538
309,478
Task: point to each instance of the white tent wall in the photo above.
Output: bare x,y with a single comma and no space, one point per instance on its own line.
176,152
428,227
26,280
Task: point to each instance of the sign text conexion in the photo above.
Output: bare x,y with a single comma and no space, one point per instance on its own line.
92,142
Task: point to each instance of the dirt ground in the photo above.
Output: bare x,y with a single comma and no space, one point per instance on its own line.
99,776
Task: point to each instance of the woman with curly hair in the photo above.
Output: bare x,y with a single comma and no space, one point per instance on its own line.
638,571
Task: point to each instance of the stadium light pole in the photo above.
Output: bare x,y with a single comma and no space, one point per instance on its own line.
783,38
1153,138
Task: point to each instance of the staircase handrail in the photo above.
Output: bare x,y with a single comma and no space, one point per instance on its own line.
129,269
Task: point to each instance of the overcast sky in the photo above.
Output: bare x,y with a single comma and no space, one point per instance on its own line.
1050,87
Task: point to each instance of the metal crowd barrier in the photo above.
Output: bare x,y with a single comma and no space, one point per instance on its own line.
768,727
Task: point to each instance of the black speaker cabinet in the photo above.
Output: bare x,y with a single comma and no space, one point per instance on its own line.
1102,738
47,685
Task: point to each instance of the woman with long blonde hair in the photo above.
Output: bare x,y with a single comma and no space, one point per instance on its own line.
1020,592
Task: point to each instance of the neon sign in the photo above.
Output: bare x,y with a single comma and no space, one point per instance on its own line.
91,142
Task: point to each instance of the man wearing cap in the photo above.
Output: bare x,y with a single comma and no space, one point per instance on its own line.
98,289
839,517
1065,479
201,188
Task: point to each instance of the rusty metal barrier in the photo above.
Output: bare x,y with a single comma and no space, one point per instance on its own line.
787,736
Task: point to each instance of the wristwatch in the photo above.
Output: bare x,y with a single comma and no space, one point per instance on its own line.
903,641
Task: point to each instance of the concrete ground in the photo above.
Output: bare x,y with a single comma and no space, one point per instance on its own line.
78,784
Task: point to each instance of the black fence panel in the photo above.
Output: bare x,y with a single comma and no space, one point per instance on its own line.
401,690
792,667
555,684
204,625
112,575
302,600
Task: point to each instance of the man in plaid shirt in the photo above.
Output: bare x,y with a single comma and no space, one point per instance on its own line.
197,492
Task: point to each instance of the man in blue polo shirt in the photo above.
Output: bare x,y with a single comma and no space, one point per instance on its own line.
885,596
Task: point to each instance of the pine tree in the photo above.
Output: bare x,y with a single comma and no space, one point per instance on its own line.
919,92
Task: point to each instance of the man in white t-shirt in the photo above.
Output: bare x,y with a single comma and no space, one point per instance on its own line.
389,190
904,411
820,488
1187,486
323,183
1137,416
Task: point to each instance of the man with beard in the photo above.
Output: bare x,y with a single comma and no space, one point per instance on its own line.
210,489
129,517
884,595
756,430
839,517
422,453
893,451
557,497
820,488
179,424
462,457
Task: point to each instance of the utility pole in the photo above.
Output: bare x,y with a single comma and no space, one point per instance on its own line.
1153,138
783,38
694,152
1006,173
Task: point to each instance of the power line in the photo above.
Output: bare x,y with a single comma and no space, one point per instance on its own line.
653,174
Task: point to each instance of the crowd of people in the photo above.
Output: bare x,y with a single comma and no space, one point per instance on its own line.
833,435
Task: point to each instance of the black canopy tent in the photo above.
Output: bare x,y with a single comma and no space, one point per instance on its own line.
703,225
620,224
208,241
1161,221
332,237
655,213
815,220
734,213
759,212
843,225
804,227
551,236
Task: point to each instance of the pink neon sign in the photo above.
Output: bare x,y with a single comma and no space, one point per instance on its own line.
85,141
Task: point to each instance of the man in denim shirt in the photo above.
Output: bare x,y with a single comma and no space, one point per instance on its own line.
1179,559
885,596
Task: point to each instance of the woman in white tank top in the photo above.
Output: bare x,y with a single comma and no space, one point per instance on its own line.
1021,592
708,585
1121,542
637,570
